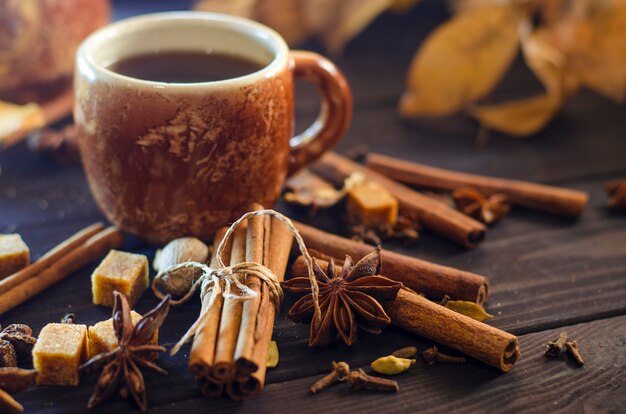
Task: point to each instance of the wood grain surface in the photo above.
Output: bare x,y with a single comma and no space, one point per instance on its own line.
546,273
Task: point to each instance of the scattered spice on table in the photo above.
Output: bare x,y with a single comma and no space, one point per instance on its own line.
348,299
359,380
554,348
392,365
19,338
572,350
339,373
467,308
488,209
433,355
133,352
406,352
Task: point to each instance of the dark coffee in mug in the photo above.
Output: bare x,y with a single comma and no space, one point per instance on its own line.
184,67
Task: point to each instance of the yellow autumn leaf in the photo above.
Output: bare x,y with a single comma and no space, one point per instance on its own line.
17,119
462,61
272,356
547,62
467,308
518,118
593,38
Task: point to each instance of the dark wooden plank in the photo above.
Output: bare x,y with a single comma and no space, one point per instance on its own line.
529,294
535,385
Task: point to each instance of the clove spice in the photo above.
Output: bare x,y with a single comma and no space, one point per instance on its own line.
433,355
339,373
555,348
572,349
359,380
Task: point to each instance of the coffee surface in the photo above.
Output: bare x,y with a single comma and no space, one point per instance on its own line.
184,67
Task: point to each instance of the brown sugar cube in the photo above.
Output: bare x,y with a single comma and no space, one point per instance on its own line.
58,352
370,204
102,336
121,271
14,254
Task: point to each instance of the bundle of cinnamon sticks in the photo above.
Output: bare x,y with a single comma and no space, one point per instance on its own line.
229,352
79,250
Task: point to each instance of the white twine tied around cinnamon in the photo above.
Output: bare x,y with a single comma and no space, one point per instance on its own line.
211,279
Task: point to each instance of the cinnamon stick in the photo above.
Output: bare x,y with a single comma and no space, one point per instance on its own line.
202,352
277,249
420,316
255,252
224,368
433,214
554,200
434,280
50,257
90,250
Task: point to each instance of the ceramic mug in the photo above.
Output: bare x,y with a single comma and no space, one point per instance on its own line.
165,160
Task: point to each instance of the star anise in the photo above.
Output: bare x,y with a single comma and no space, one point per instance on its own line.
486,209
348,299
133,351
14,380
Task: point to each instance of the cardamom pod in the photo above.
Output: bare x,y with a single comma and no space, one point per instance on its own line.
406,352
391,365
272,356
467,308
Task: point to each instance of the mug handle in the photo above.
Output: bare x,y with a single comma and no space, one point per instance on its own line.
335,112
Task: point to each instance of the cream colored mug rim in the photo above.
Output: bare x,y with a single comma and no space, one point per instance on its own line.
87,66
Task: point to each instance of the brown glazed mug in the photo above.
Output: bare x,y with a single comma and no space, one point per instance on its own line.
165,160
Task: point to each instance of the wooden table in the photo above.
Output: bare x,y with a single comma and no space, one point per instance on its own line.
547,273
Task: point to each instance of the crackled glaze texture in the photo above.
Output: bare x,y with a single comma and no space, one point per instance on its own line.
183,164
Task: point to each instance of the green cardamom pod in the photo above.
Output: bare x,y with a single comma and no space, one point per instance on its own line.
391,365
406,352
467,308
272,356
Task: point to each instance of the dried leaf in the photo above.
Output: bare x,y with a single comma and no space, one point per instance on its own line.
272,356
462,61
467,308
18,118
518,118
592,36
547,62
